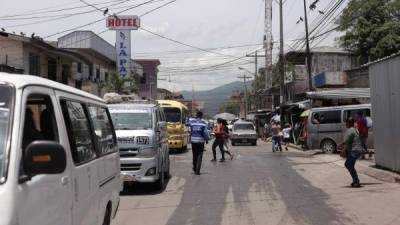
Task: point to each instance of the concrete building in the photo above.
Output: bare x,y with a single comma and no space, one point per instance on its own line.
147,84
358,77
328,66
101,56
32,55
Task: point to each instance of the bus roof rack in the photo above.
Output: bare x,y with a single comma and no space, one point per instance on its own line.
115,98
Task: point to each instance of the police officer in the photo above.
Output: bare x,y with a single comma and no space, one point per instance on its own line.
199,136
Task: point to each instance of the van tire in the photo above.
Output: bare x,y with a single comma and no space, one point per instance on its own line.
160,183
107,215
328,146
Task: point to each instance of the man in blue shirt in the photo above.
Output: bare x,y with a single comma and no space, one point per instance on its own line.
199,136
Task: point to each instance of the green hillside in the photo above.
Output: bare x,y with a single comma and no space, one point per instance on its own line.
216,97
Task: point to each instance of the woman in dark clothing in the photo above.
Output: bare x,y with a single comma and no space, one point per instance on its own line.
219,132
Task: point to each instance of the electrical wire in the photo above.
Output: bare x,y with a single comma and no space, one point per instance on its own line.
187,45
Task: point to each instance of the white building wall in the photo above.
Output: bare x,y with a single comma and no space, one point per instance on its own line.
13,51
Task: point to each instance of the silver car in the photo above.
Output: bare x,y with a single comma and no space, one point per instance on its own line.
143,142
243,132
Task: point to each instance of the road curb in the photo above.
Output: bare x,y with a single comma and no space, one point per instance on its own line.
363,167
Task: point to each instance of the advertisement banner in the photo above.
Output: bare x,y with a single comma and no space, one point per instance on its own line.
123,47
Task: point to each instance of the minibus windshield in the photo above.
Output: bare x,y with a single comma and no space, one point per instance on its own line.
173,115
132,121
5,109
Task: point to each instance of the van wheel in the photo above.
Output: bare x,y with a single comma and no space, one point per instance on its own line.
160,183
107,216
328,146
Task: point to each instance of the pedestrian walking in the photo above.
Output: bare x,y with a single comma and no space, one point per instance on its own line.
286,135
276,136
226,139
265,131
362,127
219,132
199,136
353,150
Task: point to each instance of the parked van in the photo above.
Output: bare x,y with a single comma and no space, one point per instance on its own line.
326,126
143,142
59,161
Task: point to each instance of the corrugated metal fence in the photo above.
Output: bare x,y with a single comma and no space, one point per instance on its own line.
385,100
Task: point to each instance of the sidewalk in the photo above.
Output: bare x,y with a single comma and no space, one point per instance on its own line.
364,166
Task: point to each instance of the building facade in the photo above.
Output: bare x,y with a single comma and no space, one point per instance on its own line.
147,84
32,55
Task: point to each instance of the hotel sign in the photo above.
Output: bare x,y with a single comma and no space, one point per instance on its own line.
123,22
123,47
123,26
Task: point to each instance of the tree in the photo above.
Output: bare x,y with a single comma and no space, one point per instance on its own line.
231,106
119,85
371,28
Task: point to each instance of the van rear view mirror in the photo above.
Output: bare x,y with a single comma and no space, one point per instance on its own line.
44,157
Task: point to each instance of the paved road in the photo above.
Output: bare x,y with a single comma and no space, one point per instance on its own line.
261,187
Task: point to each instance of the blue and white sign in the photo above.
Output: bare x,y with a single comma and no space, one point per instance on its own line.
123,47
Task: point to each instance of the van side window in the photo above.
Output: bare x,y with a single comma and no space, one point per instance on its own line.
40,123
353,113
103,129
79,133
328,117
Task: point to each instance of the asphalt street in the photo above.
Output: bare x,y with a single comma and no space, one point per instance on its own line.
261,187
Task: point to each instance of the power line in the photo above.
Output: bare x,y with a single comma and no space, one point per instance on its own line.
41,11
99,20
67,16
187,45
95,34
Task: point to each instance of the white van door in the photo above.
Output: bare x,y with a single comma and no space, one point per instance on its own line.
84,172
45,199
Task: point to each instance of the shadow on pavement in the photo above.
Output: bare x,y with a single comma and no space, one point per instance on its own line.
234,187
142,189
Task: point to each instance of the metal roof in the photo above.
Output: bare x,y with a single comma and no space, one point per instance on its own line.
343,93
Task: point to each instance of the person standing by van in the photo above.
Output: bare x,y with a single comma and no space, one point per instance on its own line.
352,146
361,125
219,132
199,136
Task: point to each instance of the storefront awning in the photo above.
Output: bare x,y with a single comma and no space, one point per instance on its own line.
343,93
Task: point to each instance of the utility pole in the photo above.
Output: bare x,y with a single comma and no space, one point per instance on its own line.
310,87
281,56
244,77
268,44
255,82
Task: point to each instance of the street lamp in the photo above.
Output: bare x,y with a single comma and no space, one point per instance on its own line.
241,68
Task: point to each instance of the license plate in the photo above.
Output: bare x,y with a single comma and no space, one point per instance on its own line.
128,177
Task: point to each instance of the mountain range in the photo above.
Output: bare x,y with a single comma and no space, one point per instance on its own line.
213,99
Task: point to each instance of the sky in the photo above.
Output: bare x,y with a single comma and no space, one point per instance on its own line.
224,29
